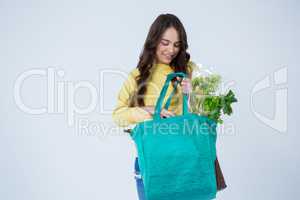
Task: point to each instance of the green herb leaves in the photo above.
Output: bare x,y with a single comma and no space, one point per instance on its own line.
204,100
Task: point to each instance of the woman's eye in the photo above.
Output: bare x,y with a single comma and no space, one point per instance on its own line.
165,43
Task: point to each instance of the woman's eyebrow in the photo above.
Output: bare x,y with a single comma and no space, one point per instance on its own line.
170,41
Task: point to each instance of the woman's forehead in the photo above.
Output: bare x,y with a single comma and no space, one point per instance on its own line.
171,35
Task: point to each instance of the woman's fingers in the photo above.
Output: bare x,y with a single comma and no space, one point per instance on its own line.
163,113
166,113
178,78
186,85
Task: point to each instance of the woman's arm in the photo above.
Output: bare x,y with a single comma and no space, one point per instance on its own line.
123,115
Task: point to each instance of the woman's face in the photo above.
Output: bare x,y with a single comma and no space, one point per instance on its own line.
168,46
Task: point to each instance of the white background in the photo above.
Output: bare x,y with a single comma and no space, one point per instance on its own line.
42,157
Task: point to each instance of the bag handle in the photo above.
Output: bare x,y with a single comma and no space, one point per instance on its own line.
171,95
163,94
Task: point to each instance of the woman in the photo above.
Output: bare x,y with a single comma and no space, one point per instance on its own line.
164,52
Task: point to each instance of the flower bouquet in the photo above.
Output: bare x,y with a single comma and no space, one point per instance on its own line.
205,99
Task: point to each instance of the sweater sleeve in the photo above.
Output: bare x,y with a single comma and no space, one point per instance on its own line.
123,115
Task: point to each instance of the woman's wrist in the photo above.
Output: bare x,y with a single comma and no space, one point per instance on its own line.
146,108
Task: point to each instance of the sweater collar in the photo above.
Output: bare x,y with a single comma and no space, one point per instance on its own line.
162,67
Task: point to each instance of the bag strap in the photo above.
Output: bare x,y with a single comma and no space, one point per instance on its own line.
171,95
166,105
163,92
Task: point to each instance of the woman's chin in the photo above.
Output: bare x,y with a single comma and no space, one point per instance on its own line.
166,61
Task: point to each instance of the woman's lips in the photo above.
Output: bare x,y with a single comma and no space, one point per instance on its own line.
168,57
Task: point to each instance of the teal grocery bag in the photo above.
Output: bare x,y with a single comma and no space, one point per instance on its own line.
176,155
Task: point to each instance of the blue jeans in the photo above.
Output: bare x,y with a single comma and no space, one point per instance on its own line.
139,181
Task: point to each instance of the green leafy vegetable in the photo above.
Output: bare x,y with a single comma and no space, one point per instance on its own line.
204,101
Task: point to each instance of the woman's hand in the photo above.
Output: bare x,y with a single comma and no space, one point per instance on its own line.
163,113
186,85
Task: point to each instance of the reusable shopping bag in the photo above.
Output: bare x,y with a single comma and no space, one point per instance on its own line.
177,154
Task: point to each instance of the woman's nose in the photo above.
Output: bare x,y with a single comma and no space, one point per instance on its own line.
171,49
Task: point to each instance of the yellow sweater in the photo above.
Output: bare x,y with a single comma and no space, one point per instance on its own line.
124,116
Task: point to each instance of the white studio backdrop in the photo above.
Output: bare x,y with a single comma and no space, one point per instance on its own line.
63,63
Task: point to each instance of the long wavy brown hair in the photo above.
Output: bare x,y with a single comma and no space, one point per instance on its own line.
147,56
